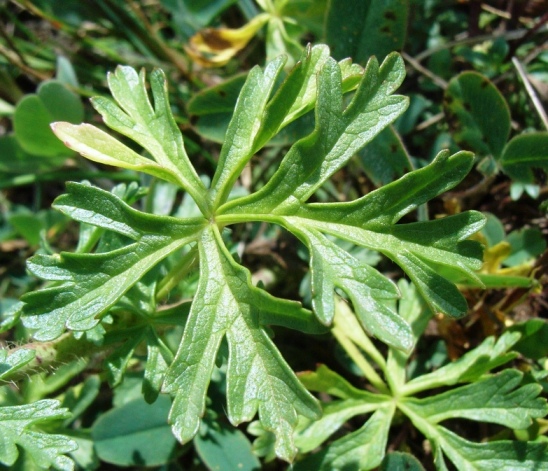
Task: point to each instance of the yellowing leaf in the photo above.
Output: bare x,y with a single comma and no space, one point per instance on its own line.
214,47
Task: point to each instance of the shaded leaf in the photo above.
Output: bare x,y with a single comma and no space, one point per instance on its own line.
398,461
224,448
523,154
385,158
135,434
366,28
478,114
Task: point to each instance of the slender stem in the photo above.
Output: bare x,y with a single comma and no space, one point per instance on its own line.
353,352
177,273
350,335
531,91
60,351
14,59
423,70
510,36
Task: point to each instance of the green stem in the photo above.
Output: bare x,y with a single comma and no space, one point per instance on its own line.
176,274
350,335
354,353
50,355
346,320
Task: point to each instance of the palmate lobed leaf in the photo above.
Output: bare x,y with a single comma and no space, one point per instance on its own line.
419,248
226,307
501,398
338,134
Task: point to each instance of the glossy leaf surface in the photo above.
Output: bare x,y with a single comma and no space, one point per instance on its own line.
229,317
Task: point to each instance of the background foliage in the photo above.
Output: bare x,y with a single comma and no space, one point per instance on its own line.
477,80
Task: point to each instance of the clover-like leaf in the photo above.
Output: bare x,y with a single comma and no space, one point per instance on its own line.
523,154
18,428
478,113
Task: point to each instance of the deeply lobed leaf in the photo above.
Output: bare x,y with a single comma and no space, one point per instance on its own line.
17,429
337,136
92,283
226,305
498,399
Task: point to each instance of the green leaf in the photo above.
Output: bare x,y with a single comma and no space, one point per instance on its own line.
97,145
523,154
326,380
229,317
258,379
366,28
211,109
92,283
18,428
117,362
419,248
511,455
398,461
534,333
11,362
34,114
526,244
80,397
470,367
224,448
294,97
14,159
355,402
337,136
498,399
385,158
243,128
159,357
135,434
249,131
362,449
368,290
478,114
150,125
